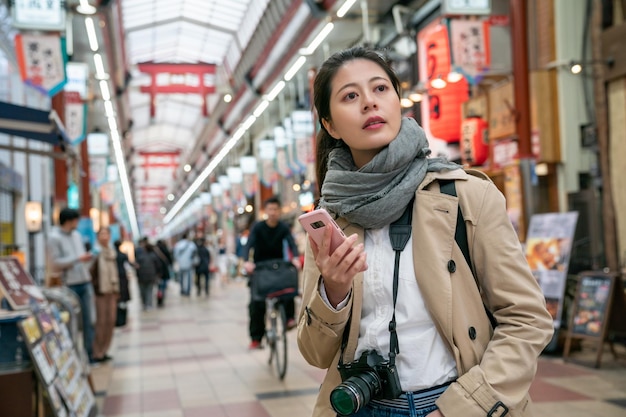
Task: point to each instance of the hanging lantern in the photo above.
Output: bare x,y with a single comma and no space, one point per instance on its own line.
474,145
445,109
437,47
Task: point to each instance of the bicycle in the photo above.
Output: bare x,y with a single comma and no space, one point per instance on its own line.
276,329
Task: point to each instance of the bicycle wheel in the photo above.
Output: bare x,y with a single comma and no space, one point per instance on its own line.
280,346
271,317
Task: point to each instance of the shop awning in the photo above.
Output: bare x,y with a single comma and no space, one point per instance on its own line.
26,122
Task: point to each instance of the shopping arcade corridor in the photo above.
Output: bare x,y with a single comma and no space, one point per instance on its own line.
190,359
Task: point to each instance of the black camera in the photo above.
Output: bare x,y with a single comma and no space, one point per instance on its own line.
369,377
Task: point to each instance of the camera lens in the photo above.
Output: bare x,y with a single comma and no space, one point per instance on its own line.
354,393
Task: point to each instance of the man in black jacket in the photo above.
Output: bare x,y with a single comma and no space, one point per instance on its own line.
202,269
266,239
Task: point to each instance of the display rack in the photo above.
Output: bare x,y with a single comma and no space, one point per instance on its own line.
62,375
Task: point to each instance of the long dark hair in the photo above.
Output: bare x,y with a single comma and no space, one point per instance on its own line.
321,98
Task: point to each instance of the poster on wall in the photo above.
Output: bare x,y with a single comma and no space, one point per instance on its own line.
548,250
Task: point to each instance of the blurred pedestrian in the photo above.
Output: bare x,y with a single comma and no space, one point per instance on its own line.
123,262
202,270
67,256
148,272
184,252
164,271
106,284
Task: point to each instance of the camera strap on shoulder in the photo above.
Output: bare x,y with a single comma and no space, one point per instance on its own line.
399,234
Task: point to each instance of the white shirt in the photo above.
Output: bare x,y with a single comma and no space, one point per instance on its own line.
424,360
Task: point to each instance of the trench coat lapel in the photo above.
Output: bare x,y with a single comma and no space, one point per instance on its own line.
434,223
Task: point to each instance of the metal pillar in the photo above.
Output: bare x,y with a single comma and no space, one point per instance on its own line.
521,86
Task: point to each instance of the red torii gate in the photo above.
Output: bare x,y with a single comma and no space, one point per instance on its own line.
159,159
180,69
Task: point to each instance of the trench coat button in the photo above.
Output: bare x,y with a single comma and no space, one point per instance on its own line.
472,333
451,266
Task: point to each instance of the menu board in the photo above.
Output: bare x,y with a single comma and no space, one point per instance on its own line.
57,363
16,285
591,305
597,312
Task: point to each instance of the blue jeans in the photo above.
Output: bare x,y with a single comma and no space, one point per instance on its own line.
185,281
421,403
85,295
377,410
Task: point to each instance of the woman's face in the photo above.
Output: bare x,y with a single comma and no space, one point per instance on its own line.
364,109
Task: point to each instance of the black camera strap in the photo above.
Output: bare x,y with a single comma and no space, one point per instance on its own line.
399,234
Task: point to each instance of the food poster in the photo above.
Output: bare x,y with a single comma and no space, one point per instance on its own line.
548,250
591,306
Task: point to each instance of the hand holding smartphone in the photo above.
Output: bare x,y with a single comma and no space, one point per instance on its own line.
315,223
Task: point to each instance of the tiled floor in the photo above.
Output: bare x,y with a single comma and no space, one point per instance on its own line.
190,359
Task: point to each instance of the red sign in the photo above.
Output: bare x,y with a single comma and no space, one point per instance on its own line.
17,285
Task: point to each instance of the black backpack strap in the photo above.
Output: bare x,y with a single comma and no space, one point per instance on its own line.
460,236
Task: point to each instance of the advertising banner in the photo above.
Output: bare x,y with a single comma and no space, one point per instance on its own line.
41,59
75,120
470,47
548,250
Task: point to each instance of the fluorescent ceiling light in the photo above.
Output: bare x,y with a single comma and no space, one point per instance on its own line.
108,108
85,8
261,108
91,34
318,39
100,73
295,67
128,198
213,164
112,123
104,89
249,122
276,90
345,7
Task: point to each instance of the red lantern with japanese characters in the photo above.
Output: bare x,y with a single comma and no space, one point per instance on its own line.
474,145
444,103
445,113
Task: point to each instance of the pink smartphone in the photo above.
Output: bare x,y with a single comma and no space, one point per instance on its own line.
315,223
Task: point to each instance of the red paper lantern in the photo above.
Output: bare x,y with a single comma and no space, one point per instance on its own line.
445,110
474,145
437,46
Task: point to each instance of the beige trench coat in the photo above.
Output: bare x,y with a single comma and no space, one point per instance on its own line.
495,367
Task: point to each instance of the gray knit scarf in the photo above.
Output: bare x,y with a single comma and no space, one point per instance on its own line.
377,193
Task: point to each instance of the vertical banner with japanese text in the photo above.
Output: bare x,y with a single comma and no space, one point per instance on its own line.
42,59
